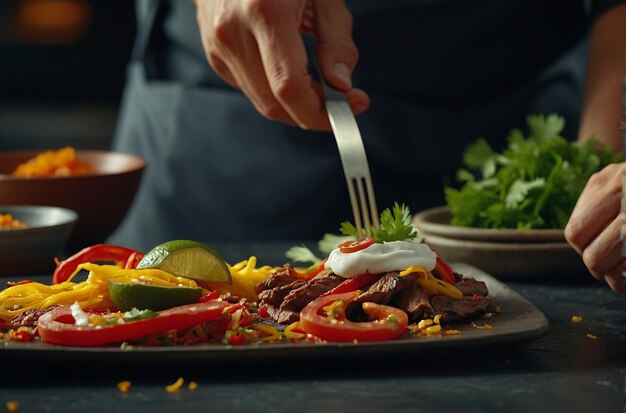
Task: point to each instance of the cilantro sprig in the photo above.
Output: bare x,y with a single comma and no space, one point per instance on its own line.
534,183
395,225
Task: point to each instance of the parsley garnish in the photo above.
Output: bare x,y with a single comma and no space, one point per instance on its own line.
534,183
395,225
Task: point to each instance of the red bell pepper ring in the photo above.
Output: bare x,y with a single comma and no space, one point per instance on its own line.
95,253
58,326
354,246
354,283
389,323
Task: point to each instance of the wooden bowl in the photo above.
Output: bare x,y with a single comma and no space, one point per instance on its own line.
31,250
100,199
504,253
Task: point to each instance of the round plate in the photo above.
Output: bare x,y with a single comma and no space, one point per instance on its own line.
436,221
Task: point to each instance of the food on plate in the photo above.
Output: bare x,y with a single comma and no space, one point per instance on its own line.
533,183
61,162
384,287
364,285
8,222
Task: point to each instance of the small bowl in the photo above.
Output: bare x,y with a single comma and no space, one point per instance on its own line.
101,199
504,253
31,250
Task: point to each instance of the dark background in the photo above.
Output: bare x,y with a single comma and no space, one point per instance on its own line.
62,69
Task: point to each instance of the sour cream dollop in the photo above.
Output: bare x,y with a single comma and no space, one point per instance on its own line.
379,258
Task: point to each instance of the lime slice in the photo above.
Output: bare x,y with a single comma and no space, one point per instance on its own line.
127,296
189,259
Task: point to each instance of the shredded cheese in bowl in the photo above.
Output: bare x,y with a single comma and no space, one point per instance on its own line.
62,162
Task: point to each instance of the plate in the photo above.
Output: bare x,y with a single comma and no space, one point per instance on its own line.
519,321
508,254
436,221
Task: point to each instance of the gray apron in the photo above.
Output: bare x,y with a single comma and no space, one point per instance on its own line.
217,170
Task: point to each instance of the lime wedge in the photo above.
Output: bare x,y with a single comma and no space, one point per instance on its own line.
127,296
189,259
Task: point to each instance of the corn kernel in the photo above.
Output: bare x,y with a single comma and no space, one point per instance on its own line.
453,332
192,386
425,323
13,406
437,319
576,319
176,386
592,336
124,386
432,330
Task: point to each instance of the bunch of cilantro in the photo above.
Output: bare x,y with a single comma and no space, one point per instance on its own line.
395,225
534,183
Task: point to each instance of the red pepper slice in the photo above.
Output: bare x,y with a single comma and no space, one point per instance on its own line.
444,271
354,246
95,253
354,283
390,322
58,326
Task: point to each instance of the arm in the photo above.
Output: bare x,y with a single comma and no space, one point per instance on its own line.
256,46
602,110
595,225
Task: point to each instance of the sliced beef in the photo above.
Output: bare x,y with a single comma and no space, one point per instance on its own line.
275,296
454,309
383,290
299,297
28,318
470,286
282,316
413,300
282,276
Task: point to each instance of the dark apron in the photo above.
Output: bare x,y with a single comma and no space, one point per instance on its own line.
217,170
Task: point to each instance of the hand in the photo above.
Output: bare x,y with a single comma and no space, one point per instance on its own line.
256,46
595,225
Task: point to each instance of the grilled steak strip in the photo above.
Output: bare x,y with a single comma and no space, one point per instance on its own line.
383,290
454,309
413,300
282,276
298,298
470,286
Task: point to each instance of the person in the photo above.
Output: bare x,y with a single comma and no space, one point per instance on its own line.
222,101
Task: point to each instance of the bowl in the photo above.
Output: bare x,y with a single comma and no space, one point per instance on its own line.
31,250
101,199
504,253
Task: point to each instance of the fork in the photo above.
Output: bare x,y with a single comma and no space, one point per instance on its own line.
353,159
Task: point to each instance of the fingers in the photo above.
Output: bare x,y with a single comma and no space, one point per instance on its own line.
285,63
594,228
232,52
604,252
598,204
336,52
256,46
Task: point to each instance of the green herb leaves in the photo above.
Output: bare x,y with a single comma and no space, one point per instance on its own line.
534,183
395,225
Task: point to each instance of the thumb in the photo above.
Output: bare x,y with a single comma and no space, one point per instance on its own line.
336,52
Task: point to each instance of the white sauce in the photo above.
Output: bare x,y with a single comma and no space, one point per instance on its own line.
379,258
81,318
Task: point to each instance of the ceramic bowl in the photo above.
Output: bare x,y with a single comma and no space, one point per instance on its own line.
31,250
101,199
504,253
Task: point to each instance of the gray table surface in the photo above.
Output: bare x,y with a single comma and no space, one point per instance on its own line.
563,370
